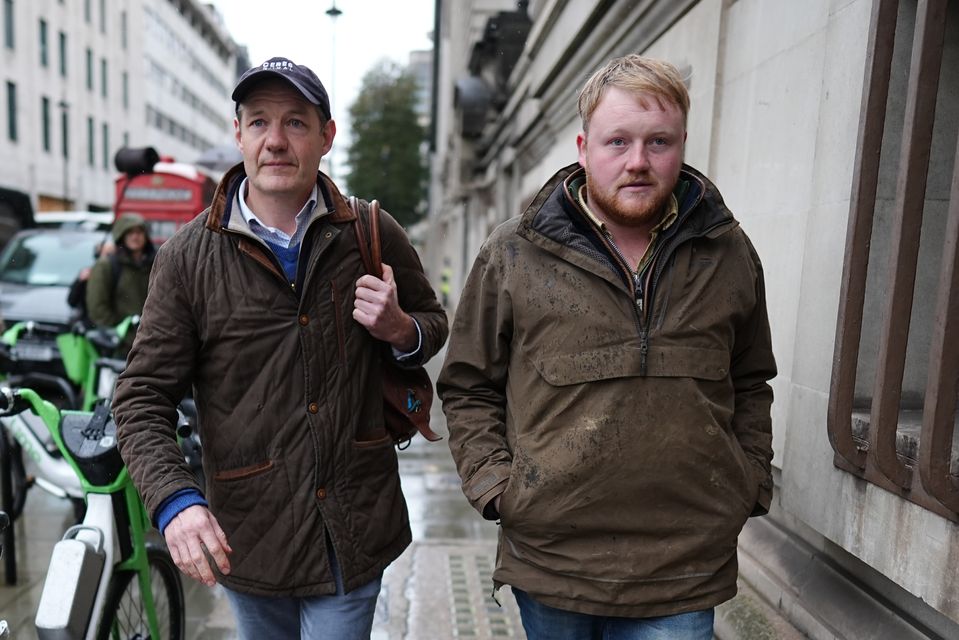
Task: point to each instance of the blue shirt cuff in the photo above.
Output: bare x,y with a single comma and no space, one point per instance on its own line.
401,356
174,504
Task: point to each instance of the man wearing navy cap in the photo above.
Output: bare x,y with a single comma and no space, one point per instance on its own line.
262,305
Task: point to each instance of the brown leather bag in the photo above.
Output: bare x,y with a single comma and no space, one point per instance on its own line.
407,392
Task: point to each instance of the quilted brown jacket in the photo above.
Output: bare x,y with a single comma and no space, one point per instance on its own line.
287,393
627,429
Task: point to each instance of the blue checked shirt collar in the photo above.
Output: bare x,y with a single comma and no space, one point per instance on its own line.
272,234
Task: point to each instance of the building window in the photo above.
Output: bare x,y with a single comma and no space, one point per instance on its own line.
63,54
12,111
89,69
91,143
44,48
45,122
123,30
103,16
103,77
106,146
86,11
893,395
64,130
126,90
126,138
8,41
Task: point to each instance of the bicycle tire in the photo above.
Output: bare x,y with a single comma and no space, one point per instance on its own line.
123,615
11,452
13,495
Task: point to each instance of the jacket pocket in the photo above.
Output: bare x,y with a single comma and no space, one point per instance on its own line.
253,504
624,361
241,473
377,438
750,486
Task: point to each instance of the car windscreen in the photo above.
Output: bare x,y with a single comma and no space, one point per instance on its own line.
48,259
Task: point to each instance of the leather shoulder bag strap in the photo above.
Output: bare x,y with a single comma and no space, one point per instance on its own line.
375,247
370,251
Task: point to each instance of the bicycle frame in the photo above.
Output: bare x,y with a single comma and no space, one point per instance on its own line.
54,474
84,374
93,374
116,514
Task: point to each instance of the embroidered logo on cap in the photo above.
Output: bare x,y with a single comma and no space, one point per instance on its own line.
279,64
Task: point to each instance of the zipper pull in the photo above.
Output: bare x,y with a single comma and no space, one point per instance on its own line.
643,353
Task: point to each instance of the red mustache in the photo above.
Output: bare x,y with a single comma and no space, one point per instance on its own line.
642,180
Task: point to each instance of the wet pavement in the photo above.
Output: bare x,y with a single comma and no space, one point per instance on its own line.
438,589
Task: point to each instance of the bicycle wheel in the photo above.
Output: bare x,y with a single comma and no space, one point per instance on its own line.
13,495
124,616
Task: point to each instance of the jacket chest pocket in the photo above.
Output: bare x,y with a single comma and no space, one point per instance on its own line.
627,361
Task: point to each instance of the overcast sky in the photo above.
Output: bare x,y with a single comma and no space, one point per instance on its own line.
340,53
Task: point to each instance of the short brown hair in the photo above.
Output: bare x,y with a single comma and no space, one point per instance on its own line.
635,74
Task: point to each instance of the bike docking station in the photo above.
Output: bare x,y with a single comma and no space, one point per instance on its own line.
107,577
73,588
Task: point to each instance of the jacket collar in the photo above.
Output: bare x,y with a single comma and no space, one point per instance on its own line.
554,214
220,211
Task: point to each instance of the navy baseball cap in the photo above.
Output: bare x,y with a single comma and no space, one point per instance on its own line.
298,75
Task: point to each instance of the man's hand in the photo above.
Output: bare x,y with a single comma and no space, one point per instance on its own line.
378,309
193,531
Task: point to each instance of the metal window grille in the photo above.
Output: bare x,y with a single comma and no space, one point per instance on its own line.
923,475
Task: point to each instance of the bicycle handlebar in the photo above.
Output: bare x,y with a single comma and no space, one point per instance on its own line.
11,402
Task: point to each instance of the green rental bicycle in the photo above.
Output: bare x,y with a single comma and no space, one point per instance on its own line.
105,579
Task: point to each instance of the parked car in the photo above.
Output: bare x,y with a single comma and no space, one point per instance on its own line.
89,220
37,268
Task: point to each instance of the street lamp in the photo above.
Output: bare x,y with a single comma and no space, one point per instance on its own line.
65,148
334,13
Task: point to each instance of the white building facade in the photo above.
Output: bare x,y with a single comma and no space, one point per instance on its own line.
81,79
830,127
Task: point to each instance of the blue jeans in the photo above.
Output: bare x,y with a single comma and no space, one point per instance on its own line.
546,623
343,616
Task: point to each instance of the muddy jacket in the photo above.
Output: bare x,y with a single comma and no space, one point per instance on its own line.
627,428
287,388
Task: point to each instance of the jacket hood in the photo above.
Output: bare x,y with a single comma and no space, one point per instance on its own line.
125,223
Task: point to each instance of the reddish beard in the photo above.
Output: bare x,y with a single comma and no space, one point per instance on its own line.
628,212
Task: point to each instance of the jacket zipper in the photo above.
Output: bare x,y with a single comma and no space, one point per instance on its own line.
653,272
630,277
644,288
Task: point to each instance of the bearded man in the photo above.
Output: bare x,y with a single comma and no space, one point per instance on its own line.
606,384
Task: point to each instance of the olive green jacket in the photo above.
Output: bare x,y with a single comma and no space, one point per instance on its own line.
627,429
112,297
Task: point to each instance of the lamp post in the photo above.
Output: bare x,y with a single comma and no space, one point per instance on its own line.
334,13
65,149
